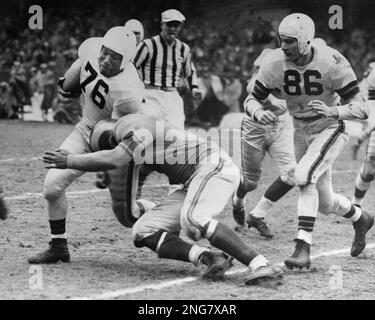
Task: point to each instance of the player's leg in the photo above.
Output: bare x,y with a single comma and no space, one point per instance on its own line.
359,141
207,196
253,148
281,149
158,230
55,184
3,206
366,174
331,202
173,109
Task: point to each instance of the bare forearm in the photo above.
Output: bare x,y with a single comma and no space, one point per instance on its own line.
90,162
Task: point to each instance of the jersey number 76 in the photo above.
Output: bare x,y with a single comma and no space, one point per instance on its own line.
96,96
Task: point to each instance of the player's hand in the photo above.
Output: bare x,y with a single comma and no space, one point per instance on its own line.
265,116
56,159
66,94
197,94
321,108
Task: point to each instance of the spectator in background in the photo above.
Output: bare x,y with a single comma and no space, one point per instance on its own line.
49,88
232,93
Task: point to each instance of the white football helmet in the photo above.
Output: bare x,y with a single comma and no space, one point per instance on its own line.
135,26
300,27
102,136
121,40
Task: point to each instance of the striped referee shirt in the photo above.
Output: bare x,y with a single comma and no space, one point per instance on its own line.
162,65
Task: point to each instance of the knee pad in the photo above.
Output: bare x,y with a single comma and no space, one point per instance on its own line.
367,173
193,231
249,184
300,178
288,177
51,191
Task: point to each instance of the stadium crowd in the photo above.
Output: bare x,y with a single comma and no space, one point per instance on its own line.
31,59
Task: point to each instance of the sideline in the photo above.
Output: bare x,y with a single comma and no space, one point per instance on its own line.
176,282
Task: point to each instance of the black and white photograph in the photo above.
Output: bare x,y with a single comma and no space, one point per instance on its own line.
202,153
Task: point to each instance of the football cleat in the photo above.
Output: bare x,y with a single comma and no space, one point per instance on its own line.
361,227
239,215
301,257
264,274
217,264
57,251
260,225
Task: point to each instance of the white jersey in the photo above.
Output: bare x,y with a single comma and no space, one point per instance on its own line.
371,85
101,95
328,77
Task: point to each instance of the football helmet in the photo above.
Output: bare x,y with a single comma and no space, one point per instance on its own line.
121,40
135,26
102,136
300,27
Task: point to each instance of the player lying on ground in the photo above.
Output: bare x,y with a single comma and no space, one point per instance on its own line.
312,80
210,178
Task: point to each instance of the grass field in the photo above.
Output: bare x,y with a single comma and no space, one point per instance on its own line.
106,265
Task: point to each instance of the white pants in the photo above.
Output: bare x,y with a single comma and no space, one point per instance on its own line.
167,105
191,209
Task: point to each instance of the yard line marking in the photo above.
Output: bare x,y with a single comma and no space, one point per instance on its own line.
19,159
30,195
176,282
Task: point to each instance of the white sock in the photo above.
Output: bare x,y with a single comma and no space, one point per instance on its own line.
305,236
238,202
355,217
257,262
58,236
195,253
261,209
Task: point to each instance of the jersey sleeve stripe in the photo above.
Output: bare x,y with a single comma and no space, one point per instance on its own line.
260,92
371,94
349,90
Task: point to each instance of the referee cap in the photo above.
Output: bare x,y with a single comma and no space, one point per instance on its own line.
172,15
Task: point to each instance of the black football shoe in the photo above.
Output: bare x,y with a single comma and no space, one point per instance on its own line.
301,257
217,264
57,251
259,224
361,227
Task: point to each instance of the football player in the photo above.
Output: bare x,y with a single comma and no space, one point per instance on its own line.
257,139
110,86
367,172
366,130
312,80
209,177
3,206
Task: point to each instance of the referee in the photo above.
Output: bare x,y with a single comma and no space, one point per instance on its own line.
162,60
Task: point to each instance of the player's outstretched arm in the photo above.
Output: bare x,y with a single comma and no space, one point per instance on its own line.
95,161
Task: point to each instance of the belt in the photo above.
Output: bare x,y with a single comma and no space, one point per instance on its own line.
170,89
310,119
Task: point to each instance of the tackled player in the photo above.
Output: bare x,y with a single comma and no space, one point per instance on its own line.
209,177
